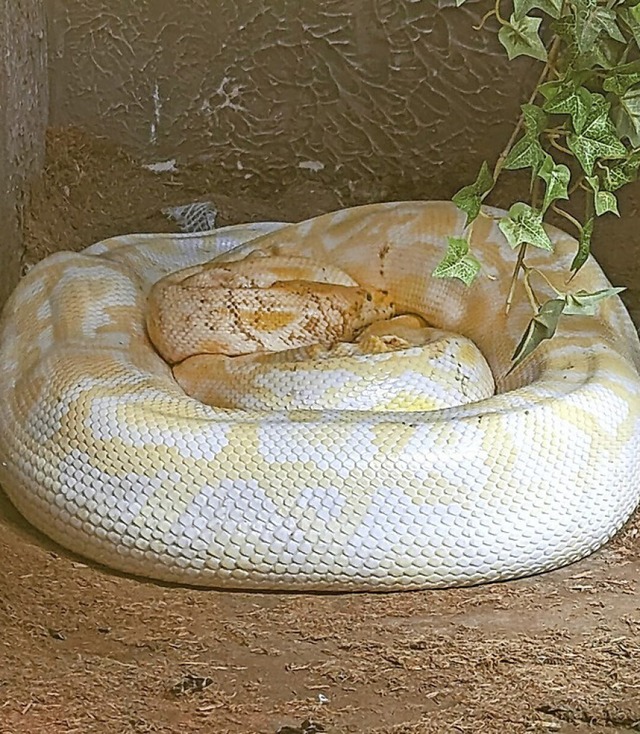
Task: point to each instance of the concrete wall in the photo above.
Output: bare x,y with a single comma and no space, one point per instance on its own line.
23,118
378,97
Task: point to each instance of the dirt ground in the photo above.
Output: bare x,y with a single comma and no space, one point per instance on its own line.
83,649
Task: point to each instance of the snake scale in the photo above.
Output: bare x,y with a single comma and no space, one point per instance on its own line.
103,451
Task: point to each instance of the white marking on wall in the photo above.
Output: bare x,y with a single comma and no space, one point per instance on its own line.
311,165
230,92
157,108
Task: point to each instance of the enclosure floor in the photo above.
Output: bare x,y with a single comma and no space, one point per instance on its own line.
86,650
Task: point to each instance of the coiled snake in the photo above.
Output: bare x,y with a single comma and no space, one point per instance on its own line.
102,449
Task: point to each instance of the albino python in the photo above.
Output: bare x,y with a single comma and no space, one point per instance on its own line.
103,450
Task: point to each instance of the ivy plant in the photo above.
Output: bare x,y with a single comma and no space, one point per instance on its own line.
579,132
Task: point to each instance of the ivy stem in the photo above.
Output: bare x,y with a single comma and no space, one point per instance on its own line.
520,263
589,205
551,55
546,280
484,19
568,217
535,195
499,17
522,251
535,304
579,184
559,147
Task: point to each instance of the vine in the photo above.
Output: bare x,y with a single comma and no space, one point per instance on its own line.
578,133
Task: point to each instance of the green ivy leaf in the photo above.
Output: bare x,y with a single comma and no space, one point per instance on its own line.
535,120
458,262
591,22
583,303
542,326
605,53
550,90
520,38
526,153
586,28
604,201
565,28
524,225
584,245
556,178
469,198
617,175
622,79
626,116
630,17
573,102
551,7
607,19
598,138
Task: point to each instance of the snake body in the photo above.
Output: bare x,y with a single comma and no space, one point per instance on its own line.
102,450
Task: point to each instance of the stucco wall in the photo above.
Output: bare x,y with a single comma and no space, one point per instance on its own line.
23,117
373,95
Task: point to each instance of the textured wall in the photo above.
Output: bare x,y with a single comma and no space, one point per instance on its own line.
377,96
23,106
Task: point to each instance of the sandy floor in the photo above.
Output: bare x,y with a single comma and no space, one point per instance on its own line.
83,649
